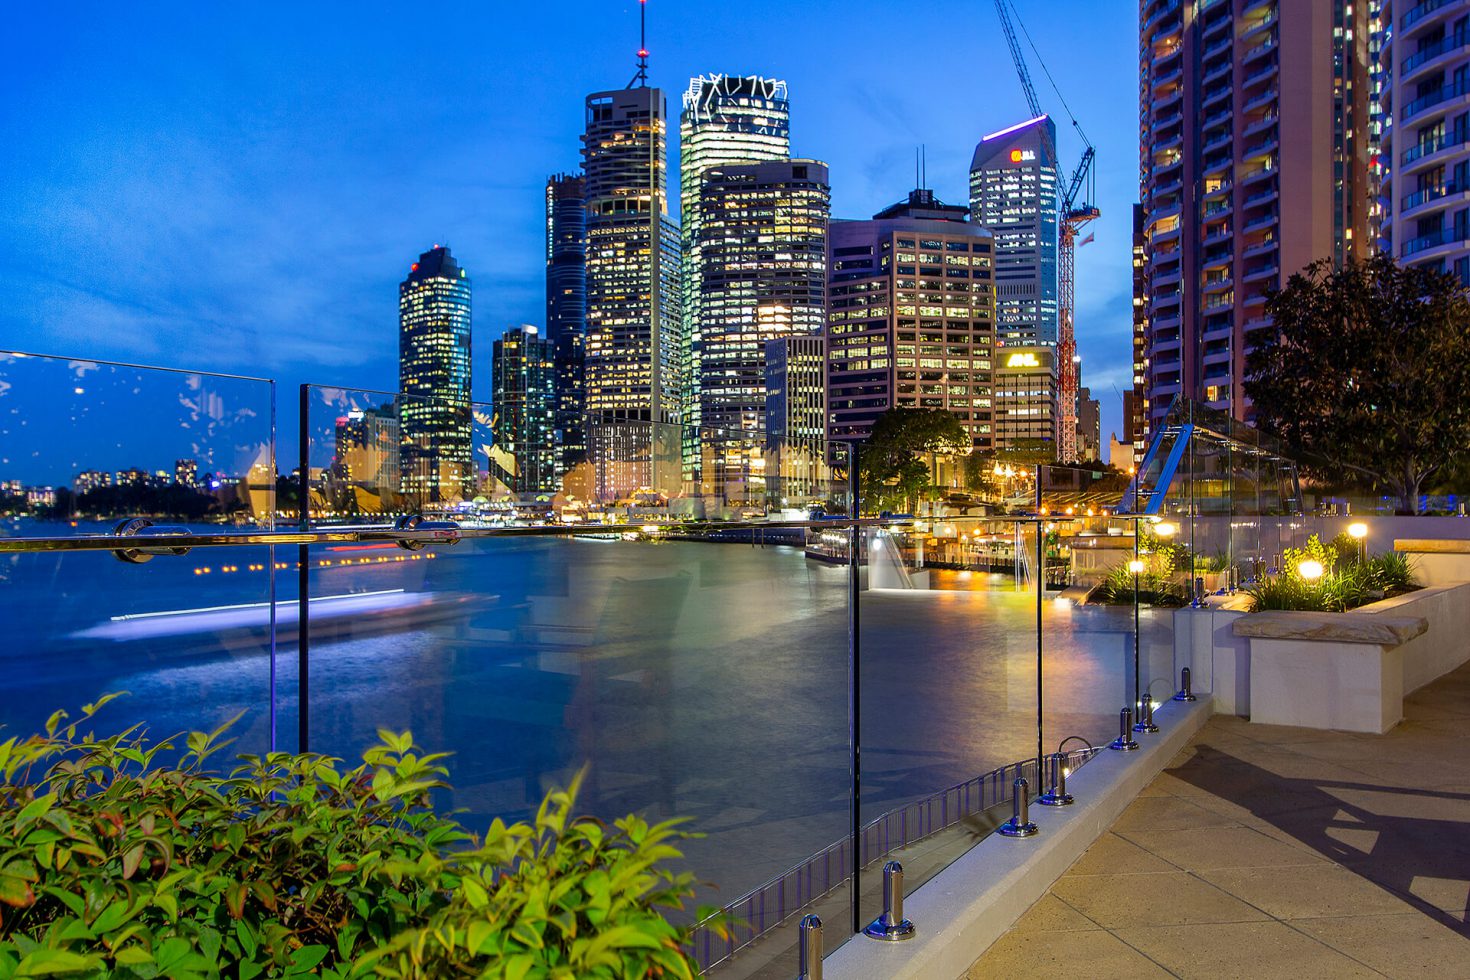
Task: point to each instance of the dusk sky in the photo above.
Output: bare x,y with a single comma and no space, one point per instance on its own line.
241,187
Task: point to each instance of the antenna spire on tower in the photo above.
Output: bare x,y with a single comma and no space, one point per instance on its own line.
642,77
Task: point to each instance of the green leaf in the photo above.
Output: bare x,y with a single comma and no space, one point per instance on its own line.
50,962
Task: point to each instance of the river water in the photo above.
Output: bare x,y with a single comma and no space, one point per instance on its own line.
698,680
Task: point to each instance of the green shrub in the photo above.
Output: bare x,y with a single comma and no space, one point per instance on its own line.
115,864
1352,585
1392,572
1116,589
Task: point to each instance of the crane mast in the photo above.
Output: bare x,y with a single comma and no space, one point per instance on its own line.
1072,214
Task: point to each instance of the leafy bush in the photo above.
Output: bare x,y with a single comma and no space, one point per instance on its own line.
114,864
1338,590
1116,589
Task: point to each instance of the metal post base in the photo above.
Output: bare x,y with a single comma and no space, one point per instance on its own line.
1146,726
1055,799
1185,696
881,928
1014,828
1122,744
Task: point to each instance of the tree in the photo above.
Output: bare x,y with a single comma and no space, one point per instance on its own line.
1368,377
895,465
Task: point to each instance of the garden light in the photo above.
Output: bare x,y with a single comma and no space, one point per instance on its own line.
1136,567
1358,530
1166,530
1310,570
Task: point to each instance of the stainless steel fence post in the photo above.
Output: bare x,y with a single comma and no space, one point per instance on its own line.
1056,793
1145,721
1186,692
891,925
809,952
1124,741
1020,824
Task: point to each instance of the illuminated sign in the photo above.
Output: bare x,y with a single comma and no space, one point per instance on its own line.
1022,361
1018,155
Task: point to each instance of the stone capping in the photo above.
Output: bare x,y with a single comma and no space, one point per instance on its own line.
970,904
1432,546
1378,630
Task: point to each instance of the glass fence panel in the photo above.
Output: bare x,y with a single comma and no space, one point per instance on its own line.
948,689
88,448
689,676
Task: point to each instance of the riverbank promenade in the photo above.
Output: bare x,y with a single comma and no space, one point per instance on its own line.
1265,851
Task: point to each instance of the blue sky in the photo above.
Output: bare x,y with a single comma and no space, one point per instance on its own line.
241,187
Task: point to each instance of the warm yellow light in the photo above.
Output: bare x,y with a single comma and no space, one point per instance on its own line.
1166,530
1310,570
1135,566
1358,530
650,529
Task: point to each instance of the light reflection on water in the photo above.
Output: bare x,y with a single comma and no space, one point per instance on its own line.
699,680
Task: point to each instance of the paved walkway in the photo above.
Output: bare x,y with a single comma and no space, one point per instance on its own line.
1264,851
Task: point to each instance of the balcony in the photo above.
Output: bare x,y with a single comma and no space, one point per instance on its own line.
1429,148
1425,103
1444,236
1416,14
1449,43
1252,54
1428,196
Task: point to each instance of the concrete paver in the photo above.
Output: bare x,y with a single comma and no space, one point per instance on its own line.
1267,851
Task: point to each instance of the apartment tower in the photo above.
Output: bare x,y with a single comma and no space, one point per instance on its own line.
436,457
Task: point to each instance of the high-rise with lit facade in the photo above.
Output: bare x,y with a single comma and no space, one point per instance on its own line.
368,452
434,376
523,384
566,310
1255,139
1135,404
796,467
763,267
911,318
1423,66
1013,193
633,255
726,119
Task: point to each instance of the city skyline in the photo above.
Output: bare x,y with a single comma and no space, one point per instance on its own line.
77,193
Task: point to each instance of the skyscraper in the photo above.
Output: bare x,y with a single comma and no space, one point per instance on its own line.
633,324
434,377
566,311
523,381
634,352
911,318
726,119
1013,193
1254,141
1424,161
1135,405
368,455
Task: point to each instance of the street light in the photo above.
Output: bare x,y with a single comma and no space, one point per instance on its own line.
1310,570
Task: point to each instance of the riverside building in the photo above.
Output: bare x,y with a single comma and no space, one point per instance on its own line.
1255,139
523,380
911,318
434,377
566,311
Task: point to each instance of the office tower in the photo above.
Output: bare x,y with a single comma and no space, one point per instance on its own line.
436,457
523,380
633,254
796,421
1025,398
566,311
1423,68
762,250
368,450
1254,142
633,361
1013,193
911,318
1135,405
726,119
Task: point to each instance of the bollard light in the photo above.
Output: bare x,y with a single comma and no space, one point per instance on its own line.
1135,566
1166,530
1310,570
809,952
891,926
1020,824
1358,530
1124,742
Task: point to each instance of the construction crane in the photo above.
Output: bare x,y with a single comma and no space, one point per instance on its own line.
1072,214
